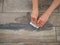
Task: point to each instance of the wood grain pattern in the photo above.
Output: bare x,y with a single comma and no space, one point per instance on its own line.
16,12
27,36
25,5
29,43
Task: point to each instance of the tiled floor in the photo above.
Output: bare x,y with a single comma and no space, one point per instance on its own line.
15,28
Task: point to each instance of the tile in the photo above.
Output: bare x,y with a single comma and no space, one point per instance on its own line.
29,43
1,3
43,7
22,35
17,6
58,33
52,19
58,38
6,18
57,20
53,44
12,44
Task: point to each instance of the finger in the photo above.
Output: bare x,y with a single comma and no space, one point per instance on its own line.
39,20
34,20
40,23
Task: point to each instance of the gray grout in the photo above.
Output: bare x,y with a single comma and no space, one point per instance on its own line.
56,34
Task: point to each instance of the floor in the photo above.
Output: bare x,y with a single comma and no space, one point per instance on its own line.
15,28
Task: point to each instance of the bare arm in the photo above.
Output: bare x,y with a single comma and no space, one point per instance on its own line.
54,5
34,14
43,19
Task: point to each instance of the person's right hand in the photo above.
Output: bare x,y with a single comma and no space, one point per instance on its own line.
34,16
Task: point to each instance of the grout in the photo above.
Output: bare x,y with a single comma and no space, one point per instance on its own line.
56,34
24,11
29,42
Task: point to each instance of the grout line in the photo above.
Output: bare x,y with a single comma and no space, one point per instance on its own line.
29,42
56,34
26,12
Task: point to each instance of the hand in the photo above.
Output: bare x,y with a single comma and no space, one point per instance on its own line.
42,20
34,16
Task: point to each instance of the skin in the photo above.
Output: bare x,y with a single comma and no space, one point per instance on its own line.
34,14
44,18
